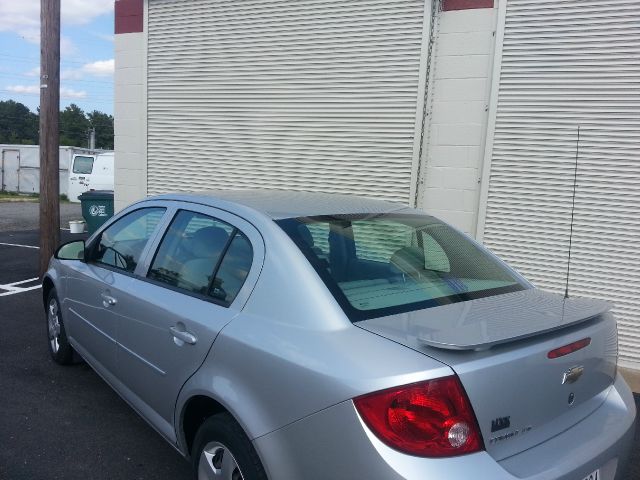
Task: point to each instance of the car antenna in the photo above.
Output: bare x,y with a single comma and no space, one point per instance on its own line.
573,208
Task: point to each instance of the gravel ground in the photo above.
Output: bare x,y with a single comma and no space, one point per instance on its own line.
18,216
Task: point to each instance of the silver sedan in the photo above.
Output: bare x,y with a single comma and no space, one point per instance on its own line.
284,335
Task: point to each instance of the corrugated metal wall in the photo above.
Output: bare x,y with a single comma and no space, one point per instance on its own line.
564,64
312,95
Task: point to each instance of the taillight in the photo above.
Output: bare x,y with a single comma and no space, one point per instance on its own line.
567,349
426,419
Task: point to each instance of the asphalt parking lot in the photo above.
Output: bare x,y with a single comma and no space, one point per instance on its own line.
60,422
65,422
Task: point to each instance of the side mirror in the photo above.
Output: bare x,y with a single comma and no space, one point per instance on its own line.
71,251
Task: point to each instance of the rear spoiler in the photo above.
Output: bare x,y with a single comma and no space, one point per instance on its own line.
494,329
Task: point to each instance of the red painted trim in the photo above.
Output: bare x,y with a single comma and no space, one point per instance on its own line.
465,4
129,16
126,8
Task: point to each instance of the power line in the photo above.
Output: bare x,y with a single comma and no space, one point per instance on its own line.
88,97
24,75
36,60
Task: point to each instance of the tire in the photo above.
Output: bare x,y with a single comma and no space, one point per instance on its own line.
227,447
59,348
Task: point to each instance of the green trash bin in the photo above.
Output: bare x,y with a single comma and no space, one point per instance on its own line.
97,208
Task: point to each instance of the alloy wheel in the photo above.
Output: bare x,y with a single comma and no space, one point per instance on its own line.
217,462
53,323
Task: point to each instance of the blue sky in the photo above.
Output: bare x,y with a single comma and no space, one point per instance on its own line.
86,53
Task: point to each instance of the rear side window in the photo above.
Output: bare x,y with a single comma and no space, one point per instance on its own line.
202,255
83,165
122,243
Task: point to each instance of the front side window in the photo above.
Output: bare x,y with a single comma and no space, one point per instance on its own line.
377,265
202,255
83,165
121,244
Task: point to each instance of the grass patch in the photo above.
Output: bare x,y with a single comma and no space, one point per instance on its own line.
26,197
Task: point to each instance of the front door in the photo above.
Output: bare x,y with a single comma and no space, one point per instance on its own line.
80,176
93,288
195,284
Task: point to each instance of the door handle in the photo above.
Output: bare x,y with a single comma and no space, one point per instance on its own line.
186,337
108,300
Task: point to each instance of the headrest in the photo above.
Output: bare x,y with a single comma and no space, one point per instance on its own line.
408,259
208,242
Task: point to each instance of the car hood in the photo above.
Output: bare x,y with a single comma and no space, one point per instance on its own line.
480,324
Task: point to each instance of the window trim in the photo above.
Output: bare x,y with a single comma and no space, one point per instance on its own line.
223,253
182,291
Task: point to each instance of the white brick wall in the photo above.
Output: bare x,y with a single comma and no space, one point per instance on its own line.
458,115
130,119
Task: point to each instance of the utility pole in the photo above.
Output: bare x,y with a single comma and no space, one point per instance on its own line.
92,138
49,132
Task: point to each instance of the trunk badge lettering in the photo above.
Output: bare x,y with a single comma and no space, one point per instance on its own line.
500,424
510,435
572,375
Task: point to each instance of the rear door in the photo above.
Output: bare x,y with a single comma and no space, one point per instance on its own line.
80,176
102,177
194,282
11,170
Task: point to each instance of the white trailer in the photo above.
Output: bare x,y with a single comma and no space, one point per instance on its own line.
20,168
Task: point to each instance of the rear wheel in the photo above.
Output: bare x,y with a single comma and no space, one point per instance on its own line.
59,347
223,451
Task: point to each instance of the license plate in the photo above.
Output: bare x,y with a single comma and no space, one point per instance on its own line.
593,476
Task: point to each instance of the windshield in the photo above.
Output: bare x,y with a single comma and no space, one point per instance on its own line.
377,265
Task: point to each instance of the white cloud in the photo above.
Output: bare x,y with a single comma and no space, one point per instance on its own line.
107,38
23,17
35,90
29,89
67,47
80,12
71,93
34,72
100,68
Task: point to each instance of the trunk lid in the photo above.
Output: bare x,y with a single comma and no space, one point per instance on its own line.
499,346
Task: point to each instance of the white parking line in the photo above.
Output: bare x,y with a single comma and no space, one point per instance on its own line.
21,290
20,282
16,245
12,289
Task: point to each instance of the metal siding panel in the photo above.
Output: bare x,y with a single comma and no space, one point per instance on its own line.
564,64
317,95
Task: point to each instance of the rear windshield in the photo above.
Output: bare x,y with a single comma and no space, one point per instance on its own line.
377,265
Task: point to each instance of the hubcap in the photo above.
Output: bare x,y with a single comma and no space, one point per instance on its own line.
217,462
53,324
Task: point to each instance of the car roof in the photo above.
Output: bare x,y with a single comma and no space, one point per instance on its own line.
280,204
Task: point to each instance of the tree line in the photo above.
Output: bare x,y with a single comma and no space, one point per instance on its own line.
19,125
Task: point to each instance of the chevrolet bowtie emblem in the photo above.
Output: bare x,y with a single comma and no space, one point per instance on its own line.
572,375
